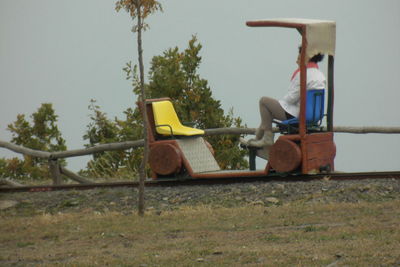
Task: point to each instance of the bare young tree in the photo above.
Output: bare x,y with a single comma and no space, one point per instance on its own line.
139,10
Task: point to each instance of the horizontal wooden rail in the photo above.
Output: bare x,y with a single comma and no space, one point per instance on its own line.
56,170
139,143
71,153
24,150
97,149
366,130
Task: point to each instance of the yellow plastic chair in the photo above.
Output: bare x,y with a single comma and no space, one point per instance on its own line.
167,121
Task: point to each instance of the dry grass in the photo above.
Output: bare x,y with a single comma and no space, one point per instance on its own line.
364,234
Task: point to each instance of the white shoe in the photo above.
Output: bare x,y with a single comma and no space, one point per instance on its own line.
266,140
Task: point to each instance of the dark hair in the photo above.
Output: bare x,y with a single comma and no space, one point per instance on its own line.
316,58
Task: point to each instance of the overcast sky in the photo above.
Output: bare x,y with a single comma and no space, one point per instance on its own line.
68,52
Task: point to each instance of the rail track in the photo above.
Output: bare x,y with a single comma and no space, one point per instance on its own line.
210,181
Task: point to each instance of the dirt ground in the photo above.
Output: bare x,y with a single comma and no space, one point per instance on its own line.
316,223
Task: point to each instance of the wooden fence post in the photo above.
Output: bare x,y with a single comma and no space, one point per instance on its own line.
55,173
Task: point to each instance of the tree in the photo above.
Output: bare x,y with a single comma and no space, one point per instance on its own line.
43,134
140,10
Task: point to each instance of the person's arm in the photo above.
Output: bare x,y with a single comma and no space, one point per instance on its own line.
293,94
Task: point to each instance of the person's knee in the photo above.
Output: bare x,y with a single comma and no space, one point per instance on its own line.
263,100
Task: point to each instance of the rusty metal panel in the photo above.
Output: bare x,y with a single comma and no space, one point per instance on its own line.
320,151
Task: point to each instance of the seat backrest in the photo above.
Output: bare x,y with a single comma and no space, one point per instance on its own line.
167,122
165,114
315,105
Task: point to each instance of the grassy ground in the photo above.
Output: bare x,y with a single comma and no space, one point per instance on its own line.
296,234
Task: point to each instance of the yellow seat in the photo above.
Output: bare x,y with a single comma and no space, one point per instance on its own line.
167,121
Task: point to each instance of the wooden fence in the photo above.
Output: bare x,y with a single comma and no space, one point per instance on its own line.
56,170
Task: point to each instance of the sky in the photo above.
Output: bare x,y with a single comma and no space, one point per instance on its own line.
69,52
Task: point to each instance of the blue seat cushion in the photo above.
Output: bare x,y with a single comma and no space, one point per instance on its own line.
291,121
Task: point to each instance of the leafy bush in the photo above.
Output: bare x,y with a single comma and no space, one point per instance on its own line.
42,134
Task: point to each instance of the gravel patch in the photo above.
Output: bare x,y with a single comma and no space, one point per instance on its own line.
159,199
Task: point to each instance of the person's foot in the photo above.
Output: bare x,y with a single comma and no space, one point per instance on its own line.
266,140
244,142
257,143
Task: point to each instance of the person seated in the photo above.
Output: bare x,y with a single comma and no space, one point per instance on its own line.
289,106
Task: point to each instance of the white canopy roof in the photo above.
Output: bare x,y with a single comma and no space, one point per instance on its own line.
320,34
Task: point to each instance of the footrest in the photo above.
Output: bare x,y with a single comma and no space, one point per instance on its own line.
198,155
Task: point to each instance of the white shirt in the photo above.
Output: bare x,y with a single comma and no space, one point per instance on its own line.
291,101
